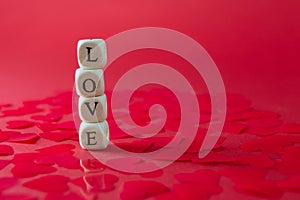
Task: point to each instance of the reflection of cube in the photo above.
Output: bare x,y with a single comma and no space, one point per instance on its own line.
93,109
91,165
91,53
94,136
89,83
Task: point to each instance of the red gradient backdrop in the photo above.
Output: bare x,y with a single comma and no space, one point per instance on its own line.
255,44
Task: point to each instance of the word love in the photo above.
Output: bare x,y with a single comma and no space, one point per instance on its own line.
92,104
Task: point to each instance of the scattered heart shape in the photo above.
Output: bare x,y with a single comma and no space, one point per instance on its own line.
56,148
142,189
100,183
7,182
256,161
28,138
68,196
267,146
19,124
63,159
58,136
51,117
49,184
6,150
4,163
25,170
291,183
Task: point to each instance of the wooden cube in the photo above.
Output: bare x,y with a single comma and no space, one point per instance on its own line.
89,83
93,109
91,53
94,136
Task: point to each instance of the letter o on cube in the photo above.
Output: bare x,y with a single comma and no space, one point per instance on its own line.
89,83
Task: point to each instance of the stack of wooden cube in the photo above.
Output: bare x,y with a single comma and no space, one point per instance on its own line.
92,104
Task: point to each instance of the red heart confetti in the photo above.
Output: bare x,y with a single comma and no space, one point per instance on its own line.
4,163
3,137
256,161
25,170
18,197
264,122
68,125
6,150
7,182
116,133
29,138
9,133
257,151
291,183
48,126
51,117
50,183
252,181
19,124
4,105
24,158
135,146
60,196
45,127
205,182
153,174
207,178
64,159
290,162
56,148
290,128
265,188
270,144
25,110
214,158
62,110
235,128
238,173
262,131
252,114
58,136
142,189
193,191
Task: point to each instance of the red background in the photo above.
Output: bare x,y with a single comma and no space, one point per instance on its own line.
255,44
